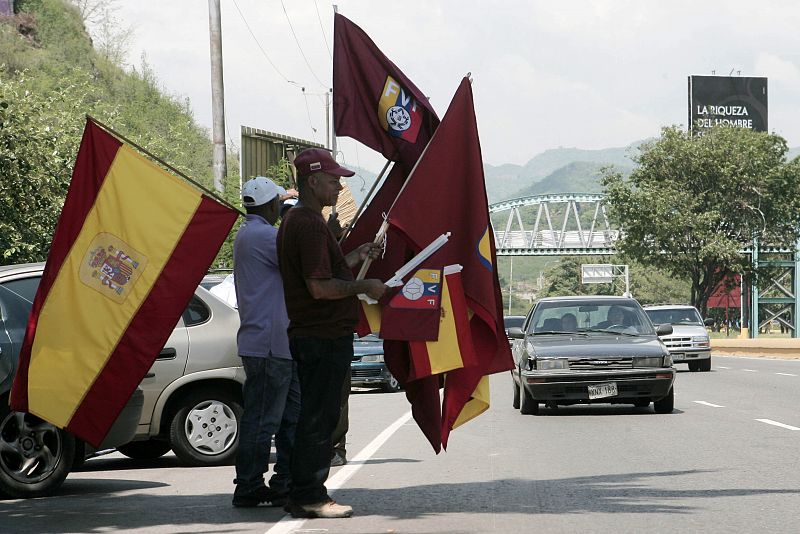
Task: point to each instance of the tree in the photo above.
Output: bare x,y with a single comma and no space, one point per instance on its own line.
647,285
695,202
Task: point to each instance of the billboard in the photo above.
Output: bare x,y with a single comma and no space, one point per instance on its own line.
727,100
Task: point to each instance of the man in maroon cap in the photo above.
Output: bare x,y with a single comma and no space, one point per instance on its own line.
321,302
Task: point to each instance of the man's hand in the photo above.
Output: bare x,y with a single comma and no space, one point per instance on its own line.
376,288
369,250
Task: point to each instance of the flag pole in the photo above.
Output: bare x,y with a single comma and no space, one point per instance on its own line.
385,226
165,164
365,201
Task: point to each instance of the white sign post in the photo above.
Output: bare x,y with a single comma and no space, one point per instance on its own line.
604,273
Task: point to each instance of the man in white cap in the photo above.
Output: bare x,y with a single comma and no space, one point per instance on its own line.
271,391
321,301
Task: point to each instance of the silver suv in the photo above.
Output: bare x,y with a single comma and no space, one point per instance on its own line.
689,342
192,395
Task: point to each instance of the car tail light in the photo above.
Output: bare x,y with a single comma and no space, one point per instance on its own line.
663,375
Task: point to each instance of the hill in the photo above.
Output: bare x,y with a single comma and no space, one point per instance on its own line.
575,177
51,77
506,181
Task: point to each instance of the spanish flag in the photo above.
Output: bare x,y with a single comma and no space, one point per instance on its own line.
131,245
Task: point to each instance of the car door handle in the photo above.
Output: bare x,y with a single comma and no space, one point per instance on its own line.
167,353
150,375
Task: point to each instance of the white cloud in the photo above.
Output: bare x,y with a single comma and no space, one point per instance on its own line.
568,73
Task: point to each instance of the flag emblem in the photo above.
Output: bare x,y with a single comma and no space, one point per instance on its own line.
398,111
111,266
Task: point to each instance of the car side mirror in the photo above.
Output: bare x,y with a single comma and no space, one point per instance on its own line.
664,329
708,321
516,332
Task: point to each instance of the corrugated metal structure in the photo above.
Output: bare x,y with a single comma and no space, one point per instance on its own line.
262,149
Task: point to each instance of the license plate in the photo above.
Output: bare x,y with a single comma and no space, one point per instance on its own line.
678,357
599,391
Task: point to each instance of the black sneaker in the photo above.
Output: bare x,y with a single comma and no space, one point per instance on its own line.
261,495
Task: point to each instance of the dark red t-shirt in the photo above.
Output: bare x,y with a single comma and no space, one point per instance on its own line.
307,249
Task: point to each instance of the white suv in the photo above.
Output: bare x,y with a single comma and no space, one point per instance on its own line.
689,342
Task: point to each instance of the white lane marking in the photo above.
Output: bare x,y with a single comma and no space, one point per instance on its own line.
721,367
704,403
289,524
786,374
749,370
776,423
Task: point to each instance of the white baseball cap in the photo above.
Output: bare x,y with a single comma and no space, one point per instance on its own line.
260,190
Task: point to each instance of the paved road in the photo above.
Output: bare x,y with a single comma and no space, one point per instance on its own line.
726,460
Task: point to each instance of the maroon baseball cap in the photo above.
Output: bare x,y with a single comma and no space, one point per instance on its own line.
313,160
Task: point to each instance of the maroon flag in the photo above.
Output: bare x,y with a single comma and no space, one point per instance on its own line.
373,101
365,82
414,310
377,105
448,188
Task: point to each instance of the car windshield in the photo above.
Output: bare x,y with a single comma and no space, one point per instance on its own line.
514,321
686,316
598,315
369,338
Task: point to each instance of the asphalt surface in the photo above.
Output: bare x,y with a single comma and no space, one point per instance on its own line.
726,460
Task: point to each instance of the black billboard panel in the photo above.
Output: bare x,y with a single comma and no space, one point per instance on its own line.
727,100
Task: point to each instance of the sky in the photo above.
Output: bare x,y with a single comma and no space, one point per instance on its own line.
546,73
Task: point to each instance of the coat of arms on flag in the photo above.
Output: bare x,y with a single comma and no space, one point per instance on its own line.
398,112
131,245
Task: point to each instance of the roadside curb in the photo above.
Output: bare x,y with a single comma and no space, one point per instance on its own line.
785,349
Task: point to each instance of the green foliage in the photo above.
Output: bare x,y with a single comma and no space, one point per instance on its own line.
695,202
50,79
647,284
281,173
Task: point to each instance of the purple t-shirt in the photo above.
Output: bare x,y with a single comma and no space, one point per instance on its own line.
308,249
259,291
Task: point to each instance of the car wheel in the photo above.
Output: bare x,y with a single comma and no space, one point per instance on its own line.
205,429
35,456
667,404
515,402
527,405
694,366
705,365
145,450
392,386
642,403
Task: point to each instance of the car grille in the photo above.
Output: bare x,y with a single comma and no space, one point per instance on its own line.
623,363
366,373
677,342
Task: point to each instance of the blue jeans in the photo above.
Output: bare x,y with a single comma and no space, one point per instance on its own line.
322,366
271,408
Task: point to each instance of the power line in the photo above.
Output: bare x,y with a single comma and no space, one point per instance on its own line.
324,37
296,40
308,113
292,82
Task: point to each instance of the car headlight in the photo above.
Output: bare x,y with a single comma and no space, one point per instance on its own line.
700,341
550,364
647,361
372,358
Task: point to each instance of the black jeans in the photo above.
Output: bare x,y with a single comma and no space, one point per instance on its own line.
271,408
322,366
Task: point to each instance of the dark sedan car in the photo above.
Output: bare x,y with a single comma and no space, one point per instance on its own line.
367,367
35,456
582,350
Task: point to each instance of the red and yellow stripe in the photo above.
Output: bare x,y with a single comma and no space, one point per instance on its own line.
87,347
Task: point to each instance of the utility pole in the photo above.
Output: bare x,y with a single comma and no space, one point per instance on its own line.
510,282
219,162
